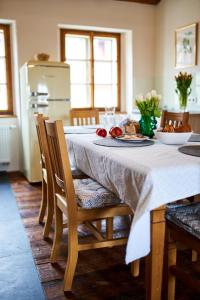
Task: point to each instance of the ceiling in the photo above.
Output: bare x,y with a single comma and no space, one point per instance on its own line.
154,2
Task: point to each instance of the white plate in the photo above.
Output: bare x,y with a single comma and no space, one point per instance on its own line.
132,138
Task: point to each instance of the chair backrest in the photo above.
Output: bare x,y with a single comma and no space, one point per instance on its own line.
175,119
62,176
36,117
42,138
84,117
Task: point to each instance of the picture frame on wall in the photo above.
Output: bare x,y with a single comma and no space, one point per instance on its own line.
186,46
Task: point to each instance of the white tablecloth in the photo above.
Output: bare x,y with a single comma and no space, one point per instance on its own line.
144,178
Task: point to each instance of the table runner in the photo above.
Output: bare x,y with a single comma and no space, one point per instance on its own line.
144,178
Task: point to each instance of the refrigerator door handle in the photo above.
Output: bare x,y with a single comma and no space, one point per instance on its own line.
35,105
67,100
35,94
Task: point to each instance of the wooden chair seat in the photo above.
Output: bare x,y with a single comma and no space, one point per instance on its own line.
183,226
78,174
90,194
186,217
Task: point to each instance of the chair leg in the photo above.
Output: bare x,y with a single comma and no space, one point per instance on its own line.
135,268
98,225
50,213
57,235
72,258
172,254
43,204
109,228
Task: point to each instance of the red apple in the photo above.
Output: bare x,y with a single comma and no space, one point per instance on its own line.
101,132
115,131
97,130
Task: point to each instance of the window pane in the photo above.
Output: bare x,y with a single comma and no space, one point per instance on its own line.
3,70
105,73
80,95
105,95
3,97
77,47
79,71
102,73
105,48
2,43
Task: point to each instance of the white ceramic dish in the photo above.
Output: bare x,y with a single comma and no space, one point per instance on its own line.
173,138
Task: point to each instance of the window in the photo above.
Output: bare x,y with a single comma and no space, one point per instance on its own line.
6,102
94,59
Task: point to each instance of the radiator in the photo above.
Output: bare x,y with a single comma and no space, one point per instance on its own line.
4,144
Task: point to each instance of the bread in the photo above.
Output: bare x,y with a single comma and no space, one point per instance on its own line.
183,128
168,128
132,127
180,128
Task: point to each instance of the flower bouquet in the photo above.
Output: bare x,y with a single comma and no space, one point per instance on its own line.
149,109
183,89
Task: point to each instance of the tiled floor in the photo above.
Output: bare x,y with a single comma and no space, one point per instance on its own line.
18,275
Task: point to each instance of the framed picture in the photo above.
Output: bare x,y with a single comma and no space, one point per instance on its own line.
186,46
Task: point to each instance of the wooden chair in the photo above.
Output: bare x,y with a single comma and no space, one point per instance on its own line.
173,118
47,203
183,226
84,117
85,211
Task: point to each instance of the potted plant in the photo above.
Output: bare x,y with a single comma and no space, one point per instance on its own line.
149,109
183,89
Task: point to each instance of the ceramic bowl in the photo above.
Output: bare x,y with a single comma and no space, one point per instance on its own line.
173,138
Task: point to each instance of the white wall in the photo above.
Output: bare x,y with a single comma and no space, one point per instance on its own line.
37,28
170,15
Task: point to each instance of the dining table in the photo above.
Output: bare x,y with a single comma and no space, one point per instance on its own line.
146,178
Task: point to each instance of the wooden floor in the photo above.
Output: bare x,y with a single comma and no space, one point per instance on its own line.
101,274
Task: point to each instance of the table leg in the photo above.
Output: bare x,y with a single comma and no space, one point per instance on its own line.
154,261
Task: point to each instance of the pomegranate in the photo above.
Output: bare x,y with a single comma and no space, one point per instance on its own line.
101,132
115,131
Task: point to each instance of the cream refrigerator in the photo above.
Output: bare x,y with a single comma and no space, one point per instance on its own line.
44,88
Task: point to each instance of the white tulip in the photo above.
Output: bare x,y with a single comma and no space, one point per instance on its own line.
153,93
140,97
148,96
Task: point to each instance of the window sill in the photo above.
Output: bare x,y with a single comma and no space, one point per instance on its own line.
7,116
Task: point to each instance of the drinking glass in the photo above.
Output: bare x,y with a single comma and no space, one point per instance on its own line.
109,118
110,110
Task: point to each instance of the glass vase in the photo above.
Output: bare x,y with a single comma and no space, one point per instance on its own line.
183,101
147,125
